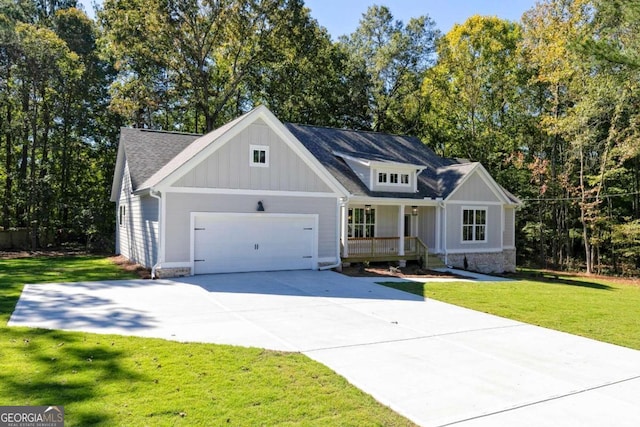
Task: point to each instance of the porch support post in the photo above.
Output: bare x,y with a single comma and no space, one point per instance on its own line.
401,230
344,230
438,230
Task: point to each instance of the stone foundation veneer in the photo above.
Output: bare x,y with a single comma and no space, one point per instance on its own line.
165,273
495,262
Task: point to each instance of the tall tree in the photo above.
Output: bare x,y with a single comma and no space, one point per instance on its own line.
176,55
550,29
308,79
395,56
475,87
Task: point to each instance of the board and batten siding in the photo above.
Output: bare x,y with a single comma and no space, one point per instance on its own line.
509,227
386,221
138,234
474,189
427,226
180,205
454,228
229,166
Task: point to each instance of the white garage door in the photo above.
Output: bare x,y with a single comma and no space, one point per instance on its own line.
225,243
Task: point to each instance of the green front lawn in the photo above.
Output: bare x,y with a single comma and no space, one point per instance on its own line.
115,380
595,308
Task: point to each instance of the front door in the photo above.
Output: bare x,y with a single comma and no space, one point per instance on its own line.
408,219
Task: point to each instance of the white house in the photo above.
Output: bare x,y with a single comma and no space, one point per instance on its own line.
258,194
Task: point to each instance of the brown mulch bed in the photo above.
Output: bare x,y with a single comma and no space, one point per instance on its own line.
125,264
412,270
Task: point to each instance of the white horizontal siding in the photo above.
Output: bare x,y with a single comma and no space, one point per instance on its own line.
138,235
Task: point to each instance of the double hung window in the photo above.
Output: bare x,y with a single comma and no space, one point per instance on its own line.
362,222
474,225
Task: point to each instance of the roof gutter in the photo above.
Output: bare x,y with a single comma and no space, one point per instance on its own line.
157,195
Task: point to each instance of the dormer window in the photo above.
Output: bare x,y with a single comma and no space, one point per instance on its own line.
393,178
381,173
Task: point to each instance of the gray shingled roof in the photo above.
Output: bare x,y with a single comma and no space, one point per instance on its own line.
323,142
198,143
153,155
147,151
451,176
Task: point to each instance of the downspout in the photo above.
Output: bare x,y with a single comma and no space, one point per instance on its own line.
157,195
342,202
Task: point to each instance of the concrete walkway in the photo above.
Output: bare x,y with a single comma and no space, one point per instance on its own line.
432,362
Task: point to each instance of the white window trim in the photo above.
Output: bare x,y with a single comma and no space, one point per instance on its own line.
486,224
388,177
351,224
122,215
254,148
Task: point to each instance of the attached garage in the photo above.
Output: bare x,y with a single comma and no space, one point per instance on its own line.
242,242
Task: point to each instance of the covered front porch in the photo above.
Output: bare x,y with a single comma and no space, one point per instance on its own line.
375,232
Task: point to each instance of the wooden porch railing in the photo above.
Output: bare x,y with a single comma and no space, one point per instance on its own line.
385,249
373,246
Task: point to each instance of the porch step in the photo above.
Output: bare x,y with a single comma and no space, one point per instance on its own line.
433,261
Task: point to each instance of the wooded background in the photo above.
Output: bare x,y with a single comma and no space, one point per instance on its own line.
550,105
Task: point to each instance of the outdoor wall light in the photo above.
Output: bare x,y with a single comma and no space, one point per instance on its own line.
367,208
414,210
260,207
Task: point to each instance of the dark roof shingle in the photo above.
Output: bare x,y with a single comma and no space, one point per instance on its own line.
324,142
150,152
147,150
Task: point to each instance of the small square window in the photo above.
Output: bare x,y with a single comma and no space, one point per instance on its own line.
259,155
404,178
382,177
393,178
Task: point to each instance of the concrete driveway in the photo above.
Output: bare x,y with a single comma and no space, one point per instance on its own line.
435,363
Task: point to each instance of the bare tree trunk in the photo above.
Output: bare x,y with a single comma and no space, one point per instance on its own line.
8,182
543,255
583,217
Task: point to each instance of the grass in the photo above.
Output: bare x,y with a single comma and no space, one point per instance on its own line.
115,380
602,309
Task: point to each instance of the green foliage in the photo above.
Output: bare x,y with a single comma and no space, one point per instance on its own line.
54,127
395,57
617,39
308,79
474,91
